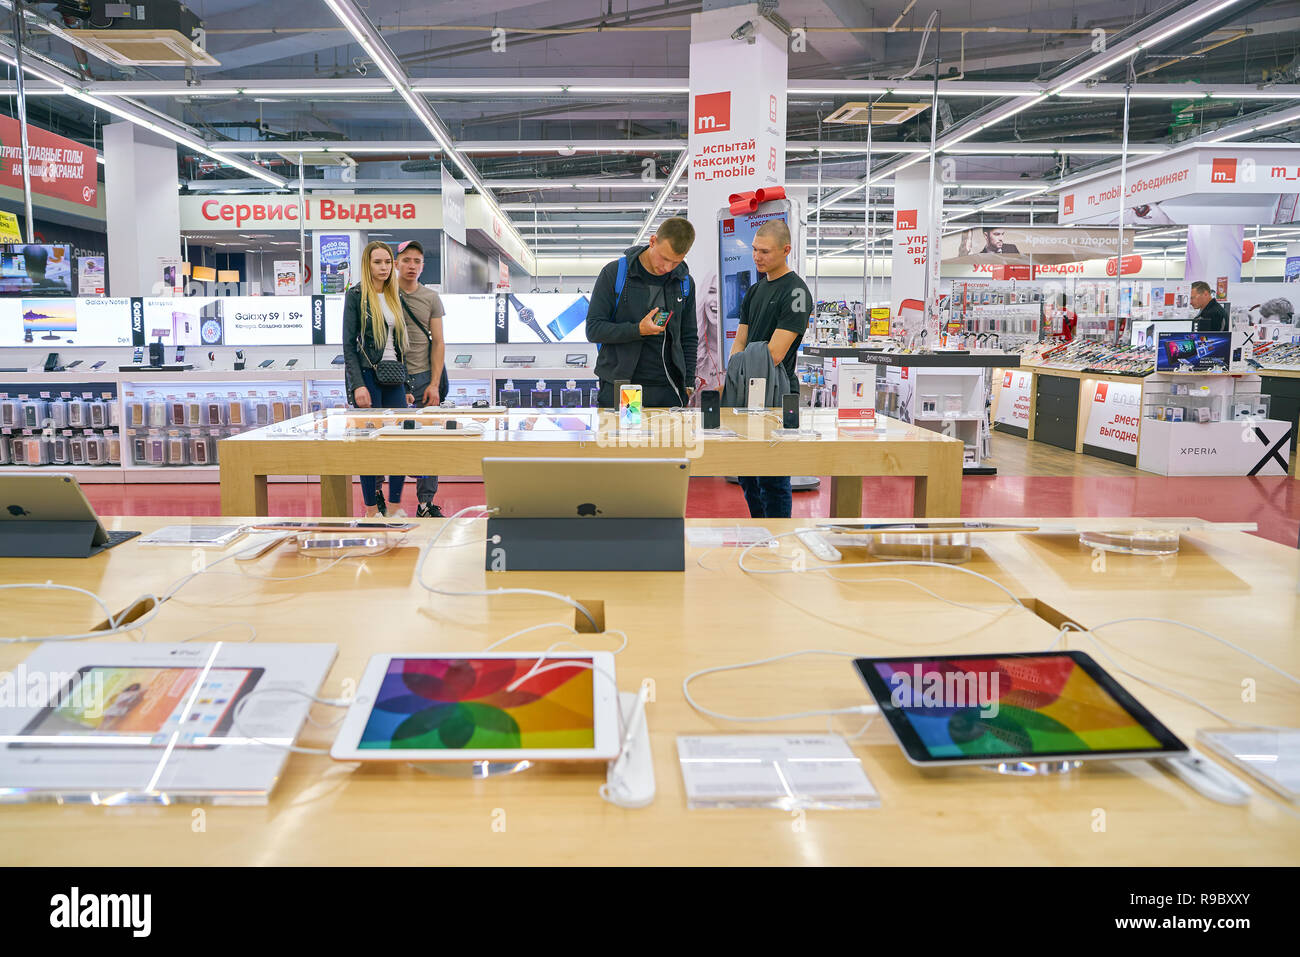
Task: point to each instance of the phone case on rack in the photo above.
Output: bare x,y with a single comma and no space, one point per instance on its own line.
34,413
176,451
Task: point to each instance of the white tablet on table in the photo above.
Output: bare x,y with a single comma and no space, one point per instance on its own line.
485,706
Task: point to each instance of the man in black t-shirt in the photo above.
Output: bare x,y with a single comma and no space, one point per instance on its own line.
774,311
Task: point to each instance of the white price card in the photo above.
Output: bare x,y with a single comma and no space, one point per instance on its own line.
813,771
730,536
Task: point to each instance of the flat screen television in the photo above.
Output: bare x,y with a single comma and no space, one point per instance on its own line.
1201,351
36,270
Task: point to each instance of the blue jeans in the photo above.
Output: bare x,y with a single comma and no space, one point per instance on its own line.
767,496
426,486
382,397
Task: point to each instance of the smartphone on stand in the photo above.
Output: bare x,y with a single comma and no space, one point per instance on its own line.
629,407
790,410
711,409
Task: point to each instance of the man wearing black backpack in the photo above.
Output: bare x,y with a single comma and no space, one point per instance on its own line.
642,315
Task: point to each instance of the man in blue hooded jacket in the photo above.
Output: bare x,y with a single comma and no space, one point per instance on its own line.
623,318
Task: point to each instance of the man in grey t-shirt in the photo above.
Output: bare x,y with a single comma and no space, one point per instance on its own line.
422,309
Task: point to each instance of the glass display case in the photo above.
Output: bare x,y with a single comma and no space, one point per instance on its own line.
1200,402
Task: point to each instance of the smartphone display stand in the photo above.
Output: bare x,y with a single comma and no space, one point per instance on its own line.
48,540
471,769
586,544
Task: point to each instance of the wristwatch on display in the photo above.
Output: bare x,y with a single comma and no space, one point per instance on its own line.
528,318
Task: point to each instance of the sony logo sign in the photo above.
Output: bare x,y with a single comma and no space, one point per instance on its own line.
1196,451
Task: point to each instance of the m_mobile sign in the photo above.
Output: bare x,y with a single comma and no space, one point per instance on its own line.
1191,187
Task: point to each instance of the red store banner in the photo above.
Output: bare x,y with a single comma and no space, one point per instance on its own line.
60,168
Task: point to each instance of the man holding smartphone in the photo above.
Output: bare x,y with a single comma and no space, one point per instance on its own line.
423,312
642,313
775,311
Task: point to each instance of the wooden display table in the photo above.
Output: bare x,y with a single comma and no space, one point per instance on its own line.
325,444
1237,585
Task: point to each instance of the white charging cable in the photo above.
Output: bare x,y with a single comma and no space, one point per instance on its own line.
686,689
428,549
115,627
1067,627
294,749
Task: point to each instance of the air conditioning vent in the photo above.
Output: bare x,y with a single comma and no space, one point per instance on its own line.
882,114
145,48
319,158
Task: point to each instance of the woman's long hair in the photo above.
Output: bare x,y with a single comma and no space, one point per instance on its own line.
372,319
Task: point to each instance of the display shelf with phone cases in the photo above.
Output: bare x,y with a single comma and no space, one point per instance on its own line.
135,412
68,424
173,424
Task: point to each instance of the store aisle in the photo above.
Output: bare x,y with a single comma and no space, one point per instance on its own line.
1272,502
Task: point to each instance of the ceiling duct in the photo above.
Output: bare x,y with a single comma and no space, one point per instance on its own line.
157,33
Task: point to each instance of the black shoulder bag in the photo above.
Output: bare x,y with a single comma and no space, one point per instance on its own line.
387,371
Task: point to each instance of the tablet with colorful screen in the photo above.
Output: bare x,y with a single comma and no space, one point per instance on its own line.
991,708
487,706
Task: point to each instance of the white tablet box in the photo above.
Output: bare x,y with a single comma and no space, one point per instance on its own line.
196,756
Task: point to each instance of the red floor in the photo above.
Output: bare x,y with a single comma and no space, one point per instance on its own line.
1273,502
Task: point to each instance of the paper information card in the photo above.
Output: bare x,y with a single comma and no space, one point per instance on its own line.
814,771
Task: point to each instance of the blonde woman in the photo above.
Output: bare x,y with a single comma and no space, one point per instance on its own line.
374,342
